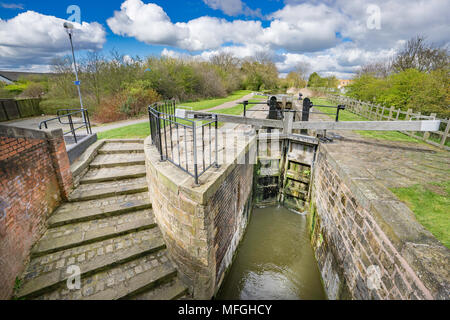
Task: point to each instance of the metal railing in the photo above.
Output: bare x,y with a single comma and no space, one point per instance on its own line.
189,144
70,114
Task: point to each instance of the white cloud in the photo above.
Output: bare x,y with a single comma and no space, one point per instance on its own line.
32,39
232,7
229,7
150,24
11,5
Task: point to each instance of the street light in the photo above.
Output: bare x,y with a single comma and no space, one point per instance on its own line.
69,29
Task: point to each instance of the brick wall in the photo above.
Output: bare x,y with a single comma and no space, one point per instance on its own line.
230,205
368,244
34,177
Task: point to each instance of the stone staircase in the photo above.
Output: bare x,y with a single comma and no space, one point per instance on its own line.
108,230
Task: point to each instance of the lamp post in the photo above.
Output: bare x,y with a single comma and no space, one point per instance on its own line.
69,29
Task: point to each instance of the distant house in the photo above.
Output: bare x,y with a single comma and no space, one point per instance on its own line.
344,82
12,76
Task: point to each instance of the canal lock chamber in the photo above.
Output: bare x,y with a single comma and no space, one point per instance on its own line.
275,259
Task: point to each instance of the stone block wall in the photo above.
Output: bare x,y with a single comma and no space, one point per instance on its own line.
201,225
34,177
367,243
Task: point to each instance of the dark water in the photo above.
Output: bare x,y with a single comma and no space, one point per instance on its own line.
275,260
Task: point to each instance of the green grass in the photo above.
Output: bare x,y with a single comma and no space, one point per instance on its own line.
140,130
211,103
430,203
349,116
237,109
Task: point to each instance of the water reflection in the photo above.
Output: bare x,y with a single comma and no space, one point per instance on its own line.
275,260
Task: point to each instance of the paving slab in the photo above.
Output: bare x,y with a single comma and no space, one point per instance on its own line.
73,212
72,235
92,191
113,174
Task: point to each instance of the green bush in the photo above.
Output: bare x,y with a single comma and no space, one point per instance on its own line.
50,106
427,92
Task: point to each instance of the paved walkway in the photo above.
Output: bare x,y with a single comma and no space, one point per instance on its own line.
391,163
108,232
230,104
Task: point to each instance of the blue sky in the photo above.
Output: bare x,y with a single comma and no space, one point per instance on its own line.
329,36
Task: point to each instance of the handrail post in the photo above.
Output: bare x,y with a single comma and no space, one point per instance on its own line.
216,142
245,107
72,129
158,129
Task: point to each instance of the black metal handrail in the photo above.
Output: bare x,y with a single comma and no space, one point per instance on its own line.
69,114
173,145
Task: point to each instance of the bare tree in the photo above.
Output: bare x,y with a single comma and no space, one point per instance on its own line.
225,60
303,69
418,54
379,69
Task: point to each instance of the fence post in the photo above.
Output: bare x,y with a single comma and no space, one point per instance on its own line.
426,135
382,114
447,129
391,111
4,110
398,114
408,113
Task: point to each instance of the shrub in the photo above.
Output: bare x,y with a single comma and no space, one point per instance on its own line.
33,90
108,110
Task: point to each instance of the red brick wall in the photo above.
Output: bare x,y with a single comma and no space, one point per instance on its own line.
34,177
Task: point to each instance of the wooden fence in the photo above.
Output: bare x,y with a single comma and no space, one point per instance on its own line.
380,113
11,109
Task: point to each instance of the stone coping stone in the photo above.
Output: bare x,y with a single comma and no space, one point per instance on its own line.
179,181
76,150
86,158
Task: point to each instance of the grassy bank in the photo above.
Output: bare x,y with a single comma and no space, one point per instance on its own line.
430,203
140,130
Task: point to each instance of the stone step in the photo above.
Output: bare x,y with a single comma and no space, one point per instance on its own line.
117,160
92,191
120,282
172,290
74,212
113,174
125,140
121,147
45,273
72,235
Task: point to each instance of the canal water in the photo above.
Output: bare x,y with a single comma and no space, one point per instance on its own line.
275,260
